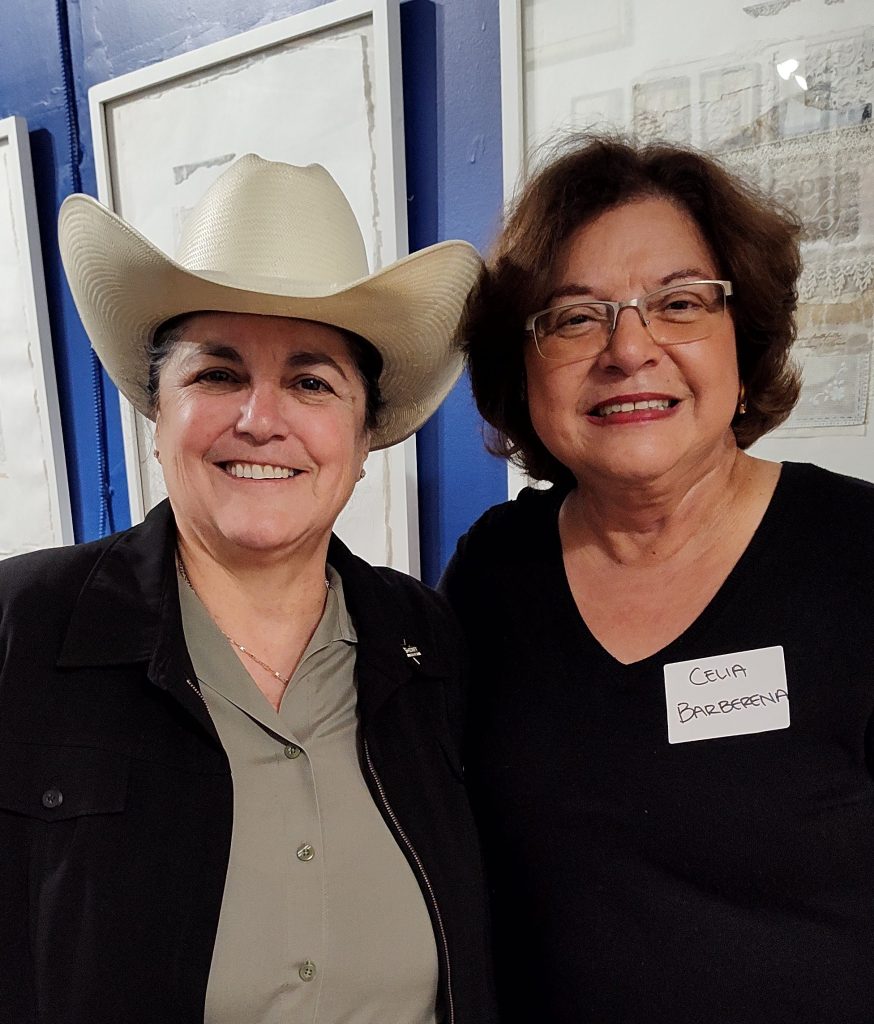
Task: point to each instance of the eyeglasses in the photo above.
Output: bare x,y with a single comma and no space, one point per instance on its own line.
674,315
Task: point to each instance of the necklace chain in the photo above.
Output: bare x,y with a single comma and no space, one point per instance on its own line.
284,679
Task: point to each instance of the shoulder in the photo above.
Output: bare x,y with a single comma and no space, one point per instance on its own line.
822,525
501,535
530,509
39,592
382,598
46,576
823,498
415,601
121,567
826,481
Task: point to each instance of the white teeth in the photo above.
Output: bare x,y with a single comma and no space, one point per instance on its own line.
649,403
255,471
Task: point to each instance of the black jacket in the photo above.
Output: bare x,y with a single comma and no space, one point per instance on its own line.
116,795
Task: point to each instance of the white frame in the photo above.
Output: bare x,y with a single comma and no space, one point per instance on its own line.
14,134
390,187
512,139
512,105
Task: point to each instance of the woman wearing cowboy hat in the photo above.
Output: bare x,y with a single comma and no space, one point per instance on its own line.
229,775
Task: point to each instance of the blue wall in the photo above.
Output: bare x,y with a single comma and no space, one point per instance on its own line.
452,124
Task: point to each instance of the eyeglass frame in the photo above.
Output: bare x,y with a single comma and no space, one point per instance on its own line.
617,308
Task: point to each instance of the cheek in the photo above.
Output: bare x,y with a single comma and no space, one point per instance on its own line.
713,373
337,441
554,394
183,429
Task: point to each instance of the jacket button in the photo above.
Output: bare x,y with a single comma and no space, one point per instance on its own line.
52,798
292,751
305,852
307,970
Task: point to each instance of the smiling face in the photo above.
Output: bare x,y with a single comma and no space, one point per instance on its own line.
637,412
260,429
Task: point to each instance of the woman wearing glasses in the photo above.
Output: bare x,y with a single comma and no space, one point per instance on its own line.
673,642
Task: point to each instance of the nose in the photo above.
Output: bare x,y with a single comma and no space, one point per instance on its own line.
261,414
631,346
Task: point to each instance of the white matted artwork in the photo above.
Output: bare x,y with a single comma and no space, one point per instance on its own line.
34,496
780,90
318,87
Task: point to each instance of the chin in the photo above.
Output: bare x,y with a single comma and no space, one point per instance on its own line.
636,467
263,533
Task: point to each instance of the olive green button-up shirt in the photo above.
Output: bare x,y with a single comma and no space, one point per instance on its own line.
322,919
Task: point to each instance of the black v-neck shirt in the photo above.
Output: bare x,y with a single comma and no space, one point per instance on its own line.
635,881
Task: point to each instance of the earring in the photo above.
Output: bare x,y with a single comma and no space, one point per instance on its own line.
362,474
742,400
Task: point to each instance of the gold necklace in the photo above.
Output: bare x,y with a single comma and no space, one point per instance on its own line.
284,679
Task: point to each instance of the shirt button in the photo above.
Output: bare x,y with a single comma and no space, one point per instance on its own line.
307,970
52,798
305,852
292,751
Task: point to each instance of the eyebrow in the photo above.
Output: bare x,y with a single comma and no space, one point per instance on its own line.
296,360
568,291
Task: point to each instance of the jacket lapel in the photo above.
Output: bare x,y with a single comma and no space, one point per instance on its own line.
128,612
395,644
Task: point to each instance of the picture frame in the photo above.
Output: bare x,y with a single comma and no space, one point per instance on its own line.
159,143
761,85
34,492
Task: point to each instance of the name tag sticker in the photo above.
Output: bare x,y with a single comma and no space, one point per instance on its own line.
729,695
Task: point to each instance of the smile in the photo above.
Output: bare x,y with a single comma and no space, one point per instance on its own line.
641,405
258,471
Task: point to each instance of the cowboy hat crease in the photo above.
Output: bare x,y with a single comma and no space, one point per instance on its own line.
274,239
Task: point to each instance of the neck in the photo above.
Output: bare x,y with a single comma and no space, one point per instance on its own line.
255,591
634,523
267,607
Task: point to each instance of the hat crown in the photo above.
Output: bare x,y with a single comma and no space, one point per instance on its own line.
263,219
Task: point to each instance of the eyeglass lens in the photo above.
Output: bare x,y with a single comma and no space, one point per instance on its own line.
674,315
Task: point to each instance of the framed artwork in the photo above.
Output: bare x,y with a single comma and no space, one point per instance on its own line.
34,496
782,92
319,87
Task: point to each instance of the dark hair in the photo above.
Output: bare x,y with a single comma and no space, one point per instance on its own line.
754,241
367,359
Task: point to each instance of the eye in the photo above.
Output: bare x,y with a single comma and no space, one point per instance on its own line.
313,384
578,319
681,302
215,376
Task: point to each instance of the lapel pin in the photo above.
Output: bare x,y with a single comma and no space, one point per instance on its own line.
412,651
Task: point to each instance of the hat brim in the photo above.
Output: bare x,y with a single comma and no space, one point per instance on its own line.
125,287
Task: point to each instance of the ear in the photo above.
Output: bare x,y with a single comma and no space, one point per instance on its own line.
156,438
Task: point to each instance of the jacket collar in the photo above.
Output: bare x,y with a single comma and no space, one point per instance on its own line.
128,612
118,616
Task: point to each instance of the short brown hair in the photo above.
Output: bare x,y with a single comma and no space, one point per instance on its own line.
754,241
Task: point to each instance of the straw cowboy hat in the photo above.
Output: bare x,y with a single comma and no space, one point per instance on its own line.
276,239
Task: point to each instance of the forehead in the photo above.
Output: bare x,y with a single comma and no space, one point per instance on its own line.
648,237
251,335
